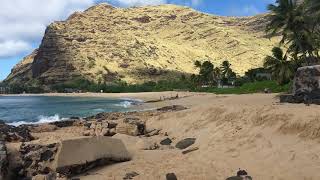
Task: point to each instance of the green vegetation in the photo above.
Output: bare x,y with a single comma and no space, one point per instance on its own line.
281,68
298,26
247,88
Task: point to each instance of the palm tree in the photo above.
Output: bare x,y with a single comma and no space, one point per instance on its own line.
281,68
197,64
314,6
226,69
289,19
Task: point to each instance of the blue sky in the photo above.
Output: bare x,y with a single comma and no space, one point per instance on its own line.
23,22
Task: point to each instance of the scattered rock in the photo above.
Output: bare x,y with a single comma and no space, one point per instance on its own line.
148,145
172,108
62,124
185,143
15,134
171,176
166,141
153,132
190,150
43,128
130,175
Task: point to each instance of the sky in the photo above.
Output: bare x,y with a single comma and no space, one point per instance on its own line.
23,22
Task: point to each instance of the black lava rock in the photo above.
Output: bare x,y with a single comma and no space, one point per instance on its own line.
166,141
185,143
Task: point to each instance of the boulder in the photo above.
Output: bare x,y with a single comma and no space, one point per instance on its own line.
3,160
133,128
183,144
70,157
79,155
15,134
306,86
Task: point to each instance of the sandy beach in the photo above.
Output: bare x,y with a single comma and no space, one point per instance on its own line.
272,141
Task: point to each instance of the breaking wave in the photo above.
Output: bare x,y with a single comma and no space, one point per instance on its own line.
41,120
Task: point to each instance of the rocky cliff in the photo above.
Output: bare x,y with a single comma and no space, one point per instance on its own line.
138,44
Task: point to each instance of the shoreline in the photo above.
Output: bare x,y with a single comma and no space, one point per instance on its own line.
143,101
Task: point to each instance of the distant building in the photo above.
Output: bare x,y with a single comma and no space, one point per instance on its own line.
4,89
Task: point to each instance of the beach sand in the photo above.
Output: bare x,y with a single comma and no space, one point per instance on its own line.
271,141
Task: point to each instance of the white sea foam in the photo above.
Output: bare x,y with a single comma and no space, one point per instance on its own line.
98,110
41,120
125,104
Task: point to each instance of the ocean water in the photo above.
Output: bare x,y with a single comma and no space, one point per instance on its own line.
17,110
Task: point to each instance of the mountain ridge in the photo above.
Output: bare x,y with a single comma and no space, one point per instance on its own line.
106,44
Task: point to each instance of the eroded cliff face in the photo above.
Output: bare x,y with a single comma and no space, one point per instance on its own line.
105,43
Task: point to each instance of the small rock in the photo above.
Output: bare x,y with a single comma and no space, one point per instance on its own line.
131,175
171,176
190,150
166,141
154,132
62,124
185,143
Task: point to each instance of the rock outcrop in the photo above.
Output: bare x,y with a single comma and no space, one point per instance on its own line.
14,134
3,160
69,157
306,86
138,44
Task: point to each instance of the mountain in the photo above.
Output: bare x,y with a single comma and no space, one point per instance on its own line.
139,44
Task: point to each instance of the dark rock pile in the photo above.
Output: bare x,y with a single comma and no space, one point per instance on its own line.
3,160
37,159
15,134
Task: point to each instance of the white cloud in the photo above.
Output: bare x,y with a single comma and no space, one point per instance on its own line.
128,3
8,48
23,22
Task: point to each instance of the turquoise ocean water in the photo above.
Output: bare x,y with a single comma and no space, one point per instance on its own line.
16,110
